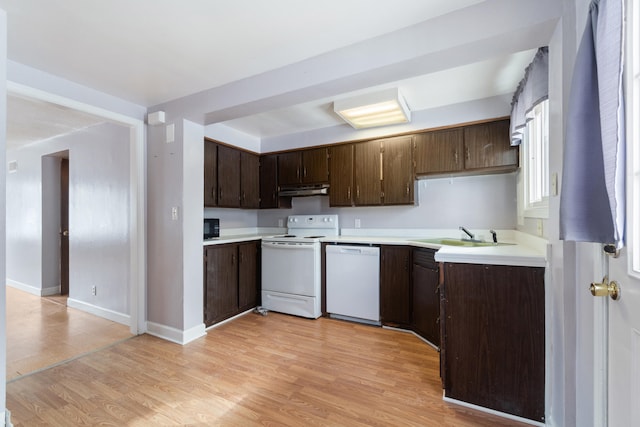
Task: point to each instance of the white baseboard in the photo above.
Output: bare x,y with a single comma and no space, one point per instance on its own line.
99,311
493,412
176,335
40,292
52,290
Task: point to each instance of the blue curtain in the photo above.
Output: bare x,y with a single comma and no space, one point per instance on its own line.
592,202
532,90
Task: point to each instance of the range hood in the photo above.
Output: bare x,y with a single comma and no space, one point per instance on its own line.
304,190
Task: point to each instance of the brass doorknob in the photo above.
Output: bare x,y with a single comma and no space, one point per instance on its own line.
65,233
605,288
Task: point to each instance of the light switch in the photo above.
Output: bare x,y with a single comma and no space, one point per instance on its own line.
357,223
174,213
171,133
554,184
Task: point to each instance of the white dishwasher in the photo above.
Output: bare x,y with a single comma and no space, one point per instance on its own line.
353,282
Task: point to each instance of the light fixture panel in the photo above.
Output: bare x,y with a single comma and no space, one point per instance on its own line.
382,108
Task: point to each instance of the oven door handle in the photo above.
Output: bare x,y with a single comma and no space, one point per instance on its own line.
289,246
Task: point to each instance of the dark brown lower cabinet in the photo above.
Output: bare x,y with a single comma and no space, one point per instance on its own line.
395,285
231,280
493,346
426,296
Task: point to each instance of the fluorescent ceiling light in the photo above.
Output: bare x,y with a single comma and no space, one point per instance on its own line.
382,108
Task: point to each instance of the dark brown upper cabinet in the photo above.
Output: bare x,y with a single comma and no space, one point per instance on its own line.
249,180
367,174
383,172
473,149
341,175
488,146
309,166
210,173
439,151
228,177
269,198
397,170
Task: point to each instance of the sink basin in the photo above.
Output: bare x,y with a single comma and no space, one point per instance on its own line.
460,242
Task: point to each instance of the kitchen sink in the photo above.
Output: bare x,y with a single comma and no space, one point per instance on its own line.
460,242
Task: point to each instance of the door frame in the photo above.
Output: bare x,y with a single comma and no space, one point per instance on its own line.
137,191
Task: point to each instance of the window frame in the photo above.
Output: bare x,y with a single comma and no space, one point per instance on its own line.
632,96
532,170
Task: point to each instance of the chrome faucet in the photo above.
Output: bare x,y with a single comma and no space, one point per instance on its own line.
467,232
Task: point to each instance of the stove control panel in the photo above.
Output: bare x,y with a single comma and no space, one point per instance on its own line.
313,221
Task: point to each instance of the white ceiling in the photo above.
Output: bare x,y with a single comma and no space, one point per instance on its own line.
150,52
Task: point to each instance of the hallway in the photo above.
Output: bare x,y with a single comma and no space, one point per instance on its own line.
42,332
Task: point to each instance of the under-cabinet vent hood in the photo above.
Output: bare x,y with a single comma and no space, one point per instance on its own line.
304,190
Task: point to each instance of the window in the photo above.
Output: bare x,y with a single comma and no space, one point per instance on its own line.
633,134
535,162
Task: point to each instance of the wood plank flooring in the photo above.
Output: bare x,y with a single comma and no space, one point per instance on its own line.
44,331
274,370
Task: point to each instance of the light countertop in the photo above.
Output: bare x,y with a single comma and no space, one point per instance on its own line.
526,250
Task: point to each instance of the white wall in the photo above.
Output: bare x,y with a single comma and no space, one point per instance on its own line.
476,202
165,287
175,174
3,145
98,215
481,109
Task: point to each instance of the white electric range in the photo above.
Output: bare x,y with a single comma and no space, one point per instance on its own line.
291,272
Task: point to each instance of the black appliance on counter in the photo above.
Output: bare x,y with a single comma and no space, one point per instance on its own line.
211,228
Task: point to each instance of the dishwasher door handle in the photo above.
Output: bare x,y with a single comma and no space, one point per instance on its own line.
350,251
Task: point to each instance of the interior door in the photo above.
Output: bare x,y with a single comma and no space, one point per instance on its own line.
624,314
64,227
624,347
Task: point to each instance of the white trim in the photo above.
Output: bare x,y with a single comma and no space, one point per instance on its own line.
492,412
52,290
230,319
632,105
39,292
175,335
105,313
137,212
600,328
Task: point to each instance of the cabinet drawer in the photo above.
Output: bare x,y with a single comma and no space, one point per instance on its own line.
425,258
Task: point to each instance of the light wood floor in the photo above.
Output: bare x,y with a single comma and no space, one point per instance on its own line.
275,370
44,331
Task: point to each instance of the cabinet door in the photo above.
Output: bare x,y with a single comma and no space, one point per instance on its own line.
494,337
341,175
289,165
269,181
367,173
488,146
221,283
228,177
210,173
315,166
426,298
249,180
395,285
248,282
439,152
397,170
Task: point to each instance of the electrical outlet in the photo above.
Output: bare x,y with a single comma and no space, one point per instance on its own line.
280,222
93,291
357,223
174,213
